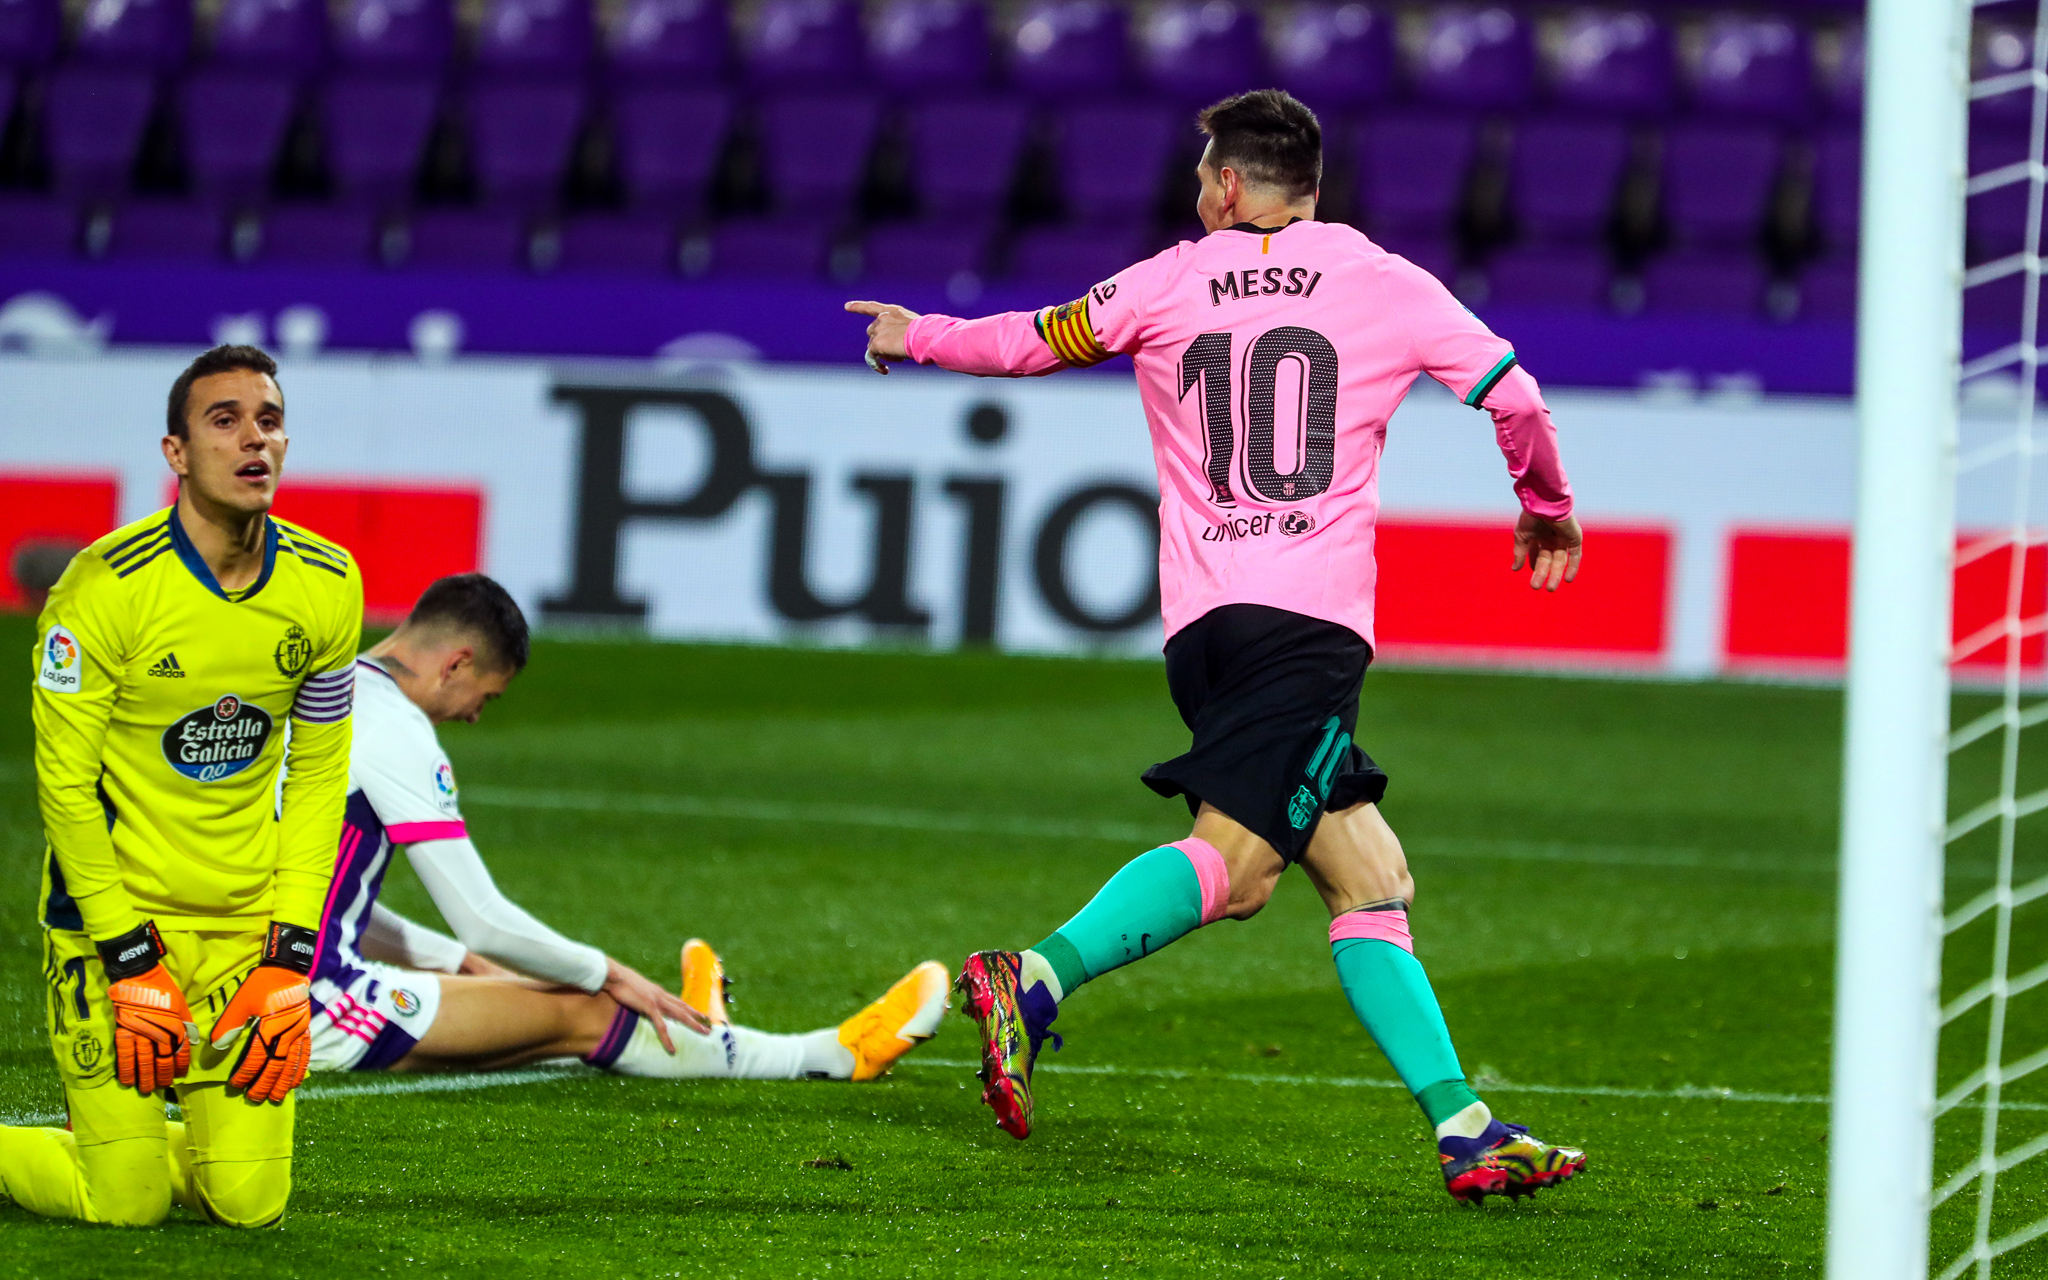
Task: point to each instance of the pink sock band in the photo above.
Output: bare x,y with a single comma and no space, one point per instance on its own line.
1214,875
1385,926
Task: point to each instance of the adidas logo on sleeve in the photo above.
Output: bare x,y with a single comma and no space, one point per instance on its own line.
167,668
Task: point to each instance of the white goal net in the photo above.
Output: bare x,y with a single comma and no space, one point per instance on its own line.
1939,1129
1989,1202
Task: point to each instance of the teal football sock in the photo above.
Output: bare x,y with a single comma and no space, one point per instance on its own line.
1155,899
1391,995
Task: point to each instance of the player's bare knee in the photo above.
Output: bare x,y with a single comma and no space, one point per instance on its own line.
245,1194
1250,892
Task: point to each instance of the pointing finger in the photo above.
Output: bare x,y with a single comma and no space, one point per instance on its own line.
867,308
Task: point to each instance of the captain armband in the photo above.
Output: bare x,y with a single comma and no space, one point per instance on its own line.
1071,335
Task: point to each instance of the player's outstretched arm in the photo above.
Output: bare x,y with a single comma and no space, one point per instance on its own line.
493,926
1000,346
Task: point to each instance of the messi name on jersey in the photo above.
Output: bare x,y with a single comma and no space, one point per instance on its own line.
217,741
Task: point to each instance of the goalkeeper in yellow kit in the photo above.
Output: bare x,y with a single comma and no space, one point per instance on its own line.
183,886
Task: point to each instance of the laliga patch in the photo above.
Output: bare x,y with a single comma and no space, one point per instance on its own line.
444,787
63,666
217,741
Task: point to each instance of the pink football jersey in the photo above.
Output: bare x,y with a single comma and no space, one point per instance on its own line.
1269,363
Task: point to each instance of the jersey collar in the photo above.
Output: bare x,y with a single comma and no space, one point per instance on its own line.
1254,228
198,567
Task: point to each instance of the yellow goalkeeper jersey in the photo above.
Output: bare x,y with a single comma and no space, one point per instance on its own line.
163,710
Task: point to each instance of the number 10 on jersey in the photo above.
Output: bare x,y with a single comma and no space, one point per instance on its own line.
1211,361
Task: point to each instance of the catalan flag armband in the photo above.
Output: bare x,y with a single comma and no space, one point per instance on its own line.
1068,331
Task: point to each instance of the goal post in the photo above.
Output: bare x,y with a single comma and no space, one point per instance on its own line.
1894,794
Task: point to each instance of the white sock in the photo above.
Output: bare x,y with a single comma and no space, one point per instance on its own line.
697,1056
1469,1123
733,1053
823,1055
1033,968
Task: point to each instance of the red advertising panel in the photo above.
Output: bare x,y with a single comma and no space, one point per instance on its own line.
1788,601
53,508
1445,590
403,536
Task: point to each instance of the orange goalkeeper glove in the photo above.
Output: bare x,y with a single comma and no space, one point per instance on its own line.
153,1029
274,1005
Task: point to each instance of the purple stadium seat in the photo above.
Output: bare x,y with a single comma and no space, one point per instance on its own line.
467,240
1412,168
377,127
1827,289
1065,261
1196,51
529,37
408,35
1840,71
1705,282
672,39
29,31
1113,157
1546,276
1838,186
521,135
964,153
1475,58
234,120
1757,66
1436,254
1065,47
1613,61
815,150
926,251
1564,177
2004,49
806,44
778,247
167,231
669,141
641,243
1335,56
135,33
37,227
272,35
93,117
1717,180
327,235
931,46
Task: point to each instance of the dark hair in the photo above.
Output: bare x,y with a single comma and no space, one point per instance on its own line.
219,360
1270,138
476,605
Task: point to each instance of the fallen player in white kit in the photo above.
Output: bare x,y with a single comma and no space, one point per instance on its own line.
392,995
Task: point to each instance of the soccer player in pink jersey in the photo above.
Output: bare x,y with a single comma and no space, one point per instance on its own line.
1270,355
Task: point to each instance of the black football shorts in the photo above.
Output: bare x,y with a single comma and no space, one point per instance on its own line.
1272,699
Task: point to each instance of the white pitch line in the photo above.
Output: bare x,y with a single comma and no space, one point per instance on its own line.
404,1084
688,806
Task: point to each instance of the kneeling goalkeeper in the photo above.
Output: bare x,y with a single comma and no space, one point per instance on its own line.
182,888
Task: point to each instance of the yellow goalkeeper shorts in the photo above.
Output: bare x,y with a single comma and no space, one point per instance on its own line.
240,1151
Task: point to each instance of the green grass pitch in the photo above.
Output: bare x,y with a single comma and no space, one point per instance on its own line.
1626,900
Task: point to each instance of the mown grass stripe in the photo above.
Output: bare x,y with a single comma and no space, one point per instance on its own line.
462,1082
729,807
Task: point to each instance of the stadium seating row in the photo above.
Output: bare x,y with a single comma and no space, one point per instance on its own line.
1335,54
1554,168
